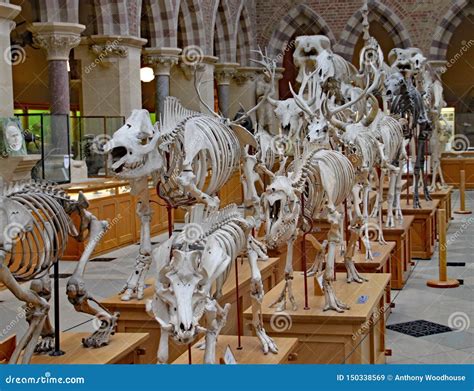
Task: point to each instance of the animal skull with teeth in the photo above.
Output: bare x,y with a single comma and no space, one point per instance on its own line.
132,150
308,51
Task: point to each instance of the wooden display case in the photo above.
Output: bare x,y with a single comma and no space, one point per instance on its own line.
111,200
356,336
133,317
424,227
124,348
401,235
250,351
453,163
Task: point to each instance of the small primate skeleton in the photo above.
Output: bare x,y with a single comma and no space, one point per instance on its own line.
189,264
37,222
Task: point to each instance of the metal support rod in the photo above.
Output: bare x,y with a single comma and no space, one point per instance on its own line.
239,318
303,258
57,329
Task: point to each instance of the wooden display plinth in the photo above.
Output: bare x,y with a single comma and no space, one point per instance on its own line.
124,348
424,226
401,235
380,263
356,336
444,197
133,317
386,184
250,352
453,163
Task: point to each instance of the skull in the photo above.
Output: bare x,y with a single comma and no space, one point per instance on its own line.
393,84
282,208
403,60
318,131
291,117
15,220
132,149
185,283
308,49
371,55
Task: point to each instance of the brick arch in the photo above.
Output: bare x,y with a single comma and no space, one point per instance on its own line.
112,17
377,12
190,25
223,34
288,26
243,37
446,28
66,11
158,23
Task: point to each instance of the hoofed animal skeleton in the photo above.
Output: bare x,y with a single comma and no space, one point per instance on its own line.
189,264
323,179
35,218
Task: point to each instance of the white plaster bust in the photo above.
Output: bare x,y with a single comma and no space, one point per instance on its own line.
13,137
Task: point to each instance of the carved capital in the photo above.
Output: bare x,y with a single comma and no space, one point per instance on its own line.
57,39
439,66
245,74
161,60
8,12
224,72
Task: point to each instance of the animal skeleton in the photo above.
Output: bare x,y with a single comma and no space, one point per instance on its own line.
441,135
36,221
189,264
324,179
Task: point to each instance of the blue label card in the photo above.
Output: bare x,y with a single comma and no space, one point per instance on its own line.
362,299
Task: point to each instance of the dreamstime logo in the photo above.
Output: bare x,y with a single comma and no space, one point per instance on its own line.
281,144
192,55
370,231
99,142
281,321
192,232
459,321
13,232
460,143
101,321
14,55
466,45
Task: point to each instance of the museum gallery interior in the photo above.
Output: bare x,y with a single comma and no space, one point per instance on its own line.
236,181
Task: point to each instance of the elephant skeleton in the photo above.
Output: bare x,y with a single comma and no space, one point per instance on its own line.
324,179
189,264
36,224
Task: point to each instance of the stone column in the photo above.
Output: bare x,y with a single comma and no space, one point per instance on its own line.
439,66
182,82
110,74
161,60
223,73
8,12
243,89
57,40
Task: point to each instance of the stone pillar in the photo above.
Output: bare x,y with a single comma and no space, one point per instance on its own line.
439,66
223,74
161,60
110,74
182,82
7,13
57,40
243,89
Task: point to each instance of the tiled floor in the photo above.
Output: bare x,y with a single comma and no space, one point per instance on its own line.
415,302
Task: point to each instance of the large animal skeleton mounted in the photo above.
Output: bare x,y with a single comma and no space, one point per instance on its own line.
406,101
35,218
189,264
323,179
190,155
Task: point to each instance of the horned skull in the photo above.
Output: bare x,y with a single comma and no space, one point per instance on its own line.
291,117
133,149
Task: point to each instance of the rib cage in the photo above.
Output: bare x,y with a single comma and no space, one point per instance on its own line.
36,251
388,130
306,178
213,167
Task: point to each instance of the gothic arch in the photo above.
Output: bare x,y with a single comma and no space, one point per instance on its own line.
159,23
190,25
446,28
377,12
243,37
223,34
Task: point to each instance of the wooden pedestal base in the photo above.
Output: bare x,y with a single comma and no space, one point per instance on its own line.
444,197
443,284
462,212
133,317
424,227
400,266
356,336
250,352
124,348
